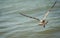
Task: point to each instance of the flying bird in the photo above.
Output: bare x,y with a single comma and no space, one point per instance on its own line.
42,22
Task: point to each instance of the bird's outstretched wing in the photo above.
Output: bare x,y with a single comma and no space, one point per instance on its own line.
49,10
44,15
30,16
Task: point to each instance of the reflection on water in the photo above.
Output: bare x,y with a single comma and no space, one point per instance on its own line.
14,25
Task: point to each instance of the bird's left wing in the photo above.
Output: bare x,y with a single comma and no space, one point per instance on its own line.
49,10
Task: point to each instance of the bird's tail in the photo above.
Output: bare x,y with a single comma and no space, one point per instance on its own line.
44,26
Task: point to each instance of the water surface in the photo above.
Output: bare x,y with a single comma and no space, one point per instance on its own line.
14,25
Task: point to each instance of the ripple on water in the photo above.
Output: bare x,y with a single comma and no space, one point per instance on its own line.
14,25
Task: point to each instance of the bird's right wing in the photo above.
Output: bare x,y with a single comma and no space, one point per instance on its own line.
49,10
30,16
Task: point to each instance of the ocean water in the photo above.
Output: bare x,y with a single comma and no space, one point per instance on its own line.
14,25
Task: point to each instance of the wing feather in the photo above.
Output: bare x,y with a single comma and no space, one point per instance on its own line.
30,16
49,10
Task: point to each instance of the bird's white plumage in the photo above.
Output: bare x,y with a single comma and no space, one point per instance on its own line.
43,21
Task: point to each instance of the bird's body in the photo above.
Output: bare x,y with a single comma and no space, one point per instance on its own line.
42,22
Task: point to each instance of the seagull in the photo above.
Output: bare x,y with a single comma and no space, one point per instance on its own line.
42,22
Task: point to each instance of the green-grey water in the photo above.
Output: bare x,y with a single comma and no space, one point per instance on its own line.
14,25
